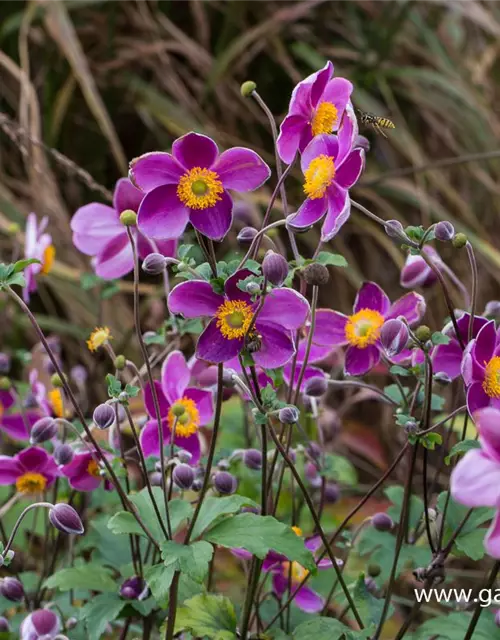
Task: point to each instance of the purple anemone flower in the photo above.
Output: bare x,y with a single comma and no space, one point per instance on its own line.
37,245
361,330
232,323
417,273
32,470
317,106
185,407
190,185
330,166
447,358
475,481
16,424
42,623
98,232
481,369
84,472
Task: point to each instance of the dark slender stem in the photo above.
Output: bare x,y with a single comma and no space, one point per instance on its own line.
314,304
172,606
479,609
426,502
473,299
363,385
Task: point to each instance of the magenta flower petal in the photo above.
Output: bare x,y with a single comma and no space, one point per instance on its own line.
195,150
161,214
175,376
475,481
319,81
476,397
150,439
309,212
492,538
412,306
360,361
7,399
214,347
194,298
10,470
309,373
231,289
126,196
316,354
447,359
204,403
15,425
284,306
313,544
350,170
308,600
34,459
280,584
163,403
323,144
347,135
371,296
289,139
167,248
214,222
277,346
488,424
116,259
190,444
339,210
485,343
463,326
338,92
93,226
241,169
330,328
155,169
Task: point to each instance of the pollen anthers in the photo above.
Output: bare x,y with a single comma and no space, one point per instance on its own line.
56,402
31,483
98,337
49,256
186,422
319,176
93,468
234,318
295,571
200,188
491,382
363,328
324,119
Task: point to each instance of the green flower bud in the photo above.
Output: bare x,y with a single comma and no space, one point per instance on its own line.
120,362
423,333
56,381
247,88
128,218
459,241
5,383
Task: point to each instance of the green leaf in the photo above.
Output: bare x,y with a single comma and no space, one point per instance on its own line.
110,290
455,626
462,447
183,251
132,391
369,607
159,578
395,495
190,559
397,370
440,338
20,265
321,628
114,386
260,534
335,259
89,281
207,615
394,392
340,469
455,513
430,440
16,279
99,611
472,544
93,577
213,508
157,338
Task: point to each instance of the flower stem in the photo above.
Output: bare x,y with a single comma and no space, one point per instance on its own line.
473,266
314,304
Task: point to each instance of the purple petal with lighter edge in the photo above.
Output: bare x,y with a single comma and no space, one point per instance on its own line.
309,212
241,169
475,481
175,376
349,171
150,439
485,343
194,298
163,403
360,361
214,222
155,169
126,196
277,346
323,144
214,347
308,600
330,328
162,215
285,307
477,398
338,212
231,289
447,359
14,425
34,459
190,444
10,470
371,296
204,403
290,136
411,306
195,150
319,82
116,259
488,424
338,92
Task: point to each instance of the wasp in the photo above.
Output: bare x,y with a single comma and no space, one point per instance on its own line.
377,122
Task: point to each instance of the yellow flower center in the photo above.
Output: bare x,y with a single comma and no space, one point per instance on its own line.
297,531
324,119
98,337
319,176
49,256
491,382
294,570
56,402
363,328
234,318
31,483
93,468
200,188
188,421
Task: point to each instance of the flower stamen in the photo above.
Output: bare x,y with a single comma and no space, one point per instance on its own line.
98,337
363,328
200,188
93,468
187,422
56,402
49,256
31,483
319,176
491,382
324,119
295,571
234,318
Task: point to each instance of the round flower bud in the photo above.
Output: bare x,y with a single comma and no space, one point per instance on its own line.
66,519
43,430
315,274
253,288
492,309
12,589
444,231
4,363
247,88
246,235
253,459
155,479
374,570
184,456
197,484
71,623
423,333
460,240
154,264
314,450
288,415
183,476
225,483
128,218
316,387
394,229
13,228
411,427
275,268
332,492
42,624
56,381
63,454
134,589
228,378
382,522
5,383
120,362
9,556
394,337
104,416
4,625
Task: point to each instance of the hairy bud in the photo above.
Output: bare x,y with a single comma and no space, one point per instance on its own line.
4,625
253,459
444,231
382,522
128,218
120,362
316,387
63,454
56,381
247,88
43,430
246,235
104,416
394,229
66,519
183,476
460,240
225,483
288,415
315,274
12,589
394,337
423,333
275,268
154,264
